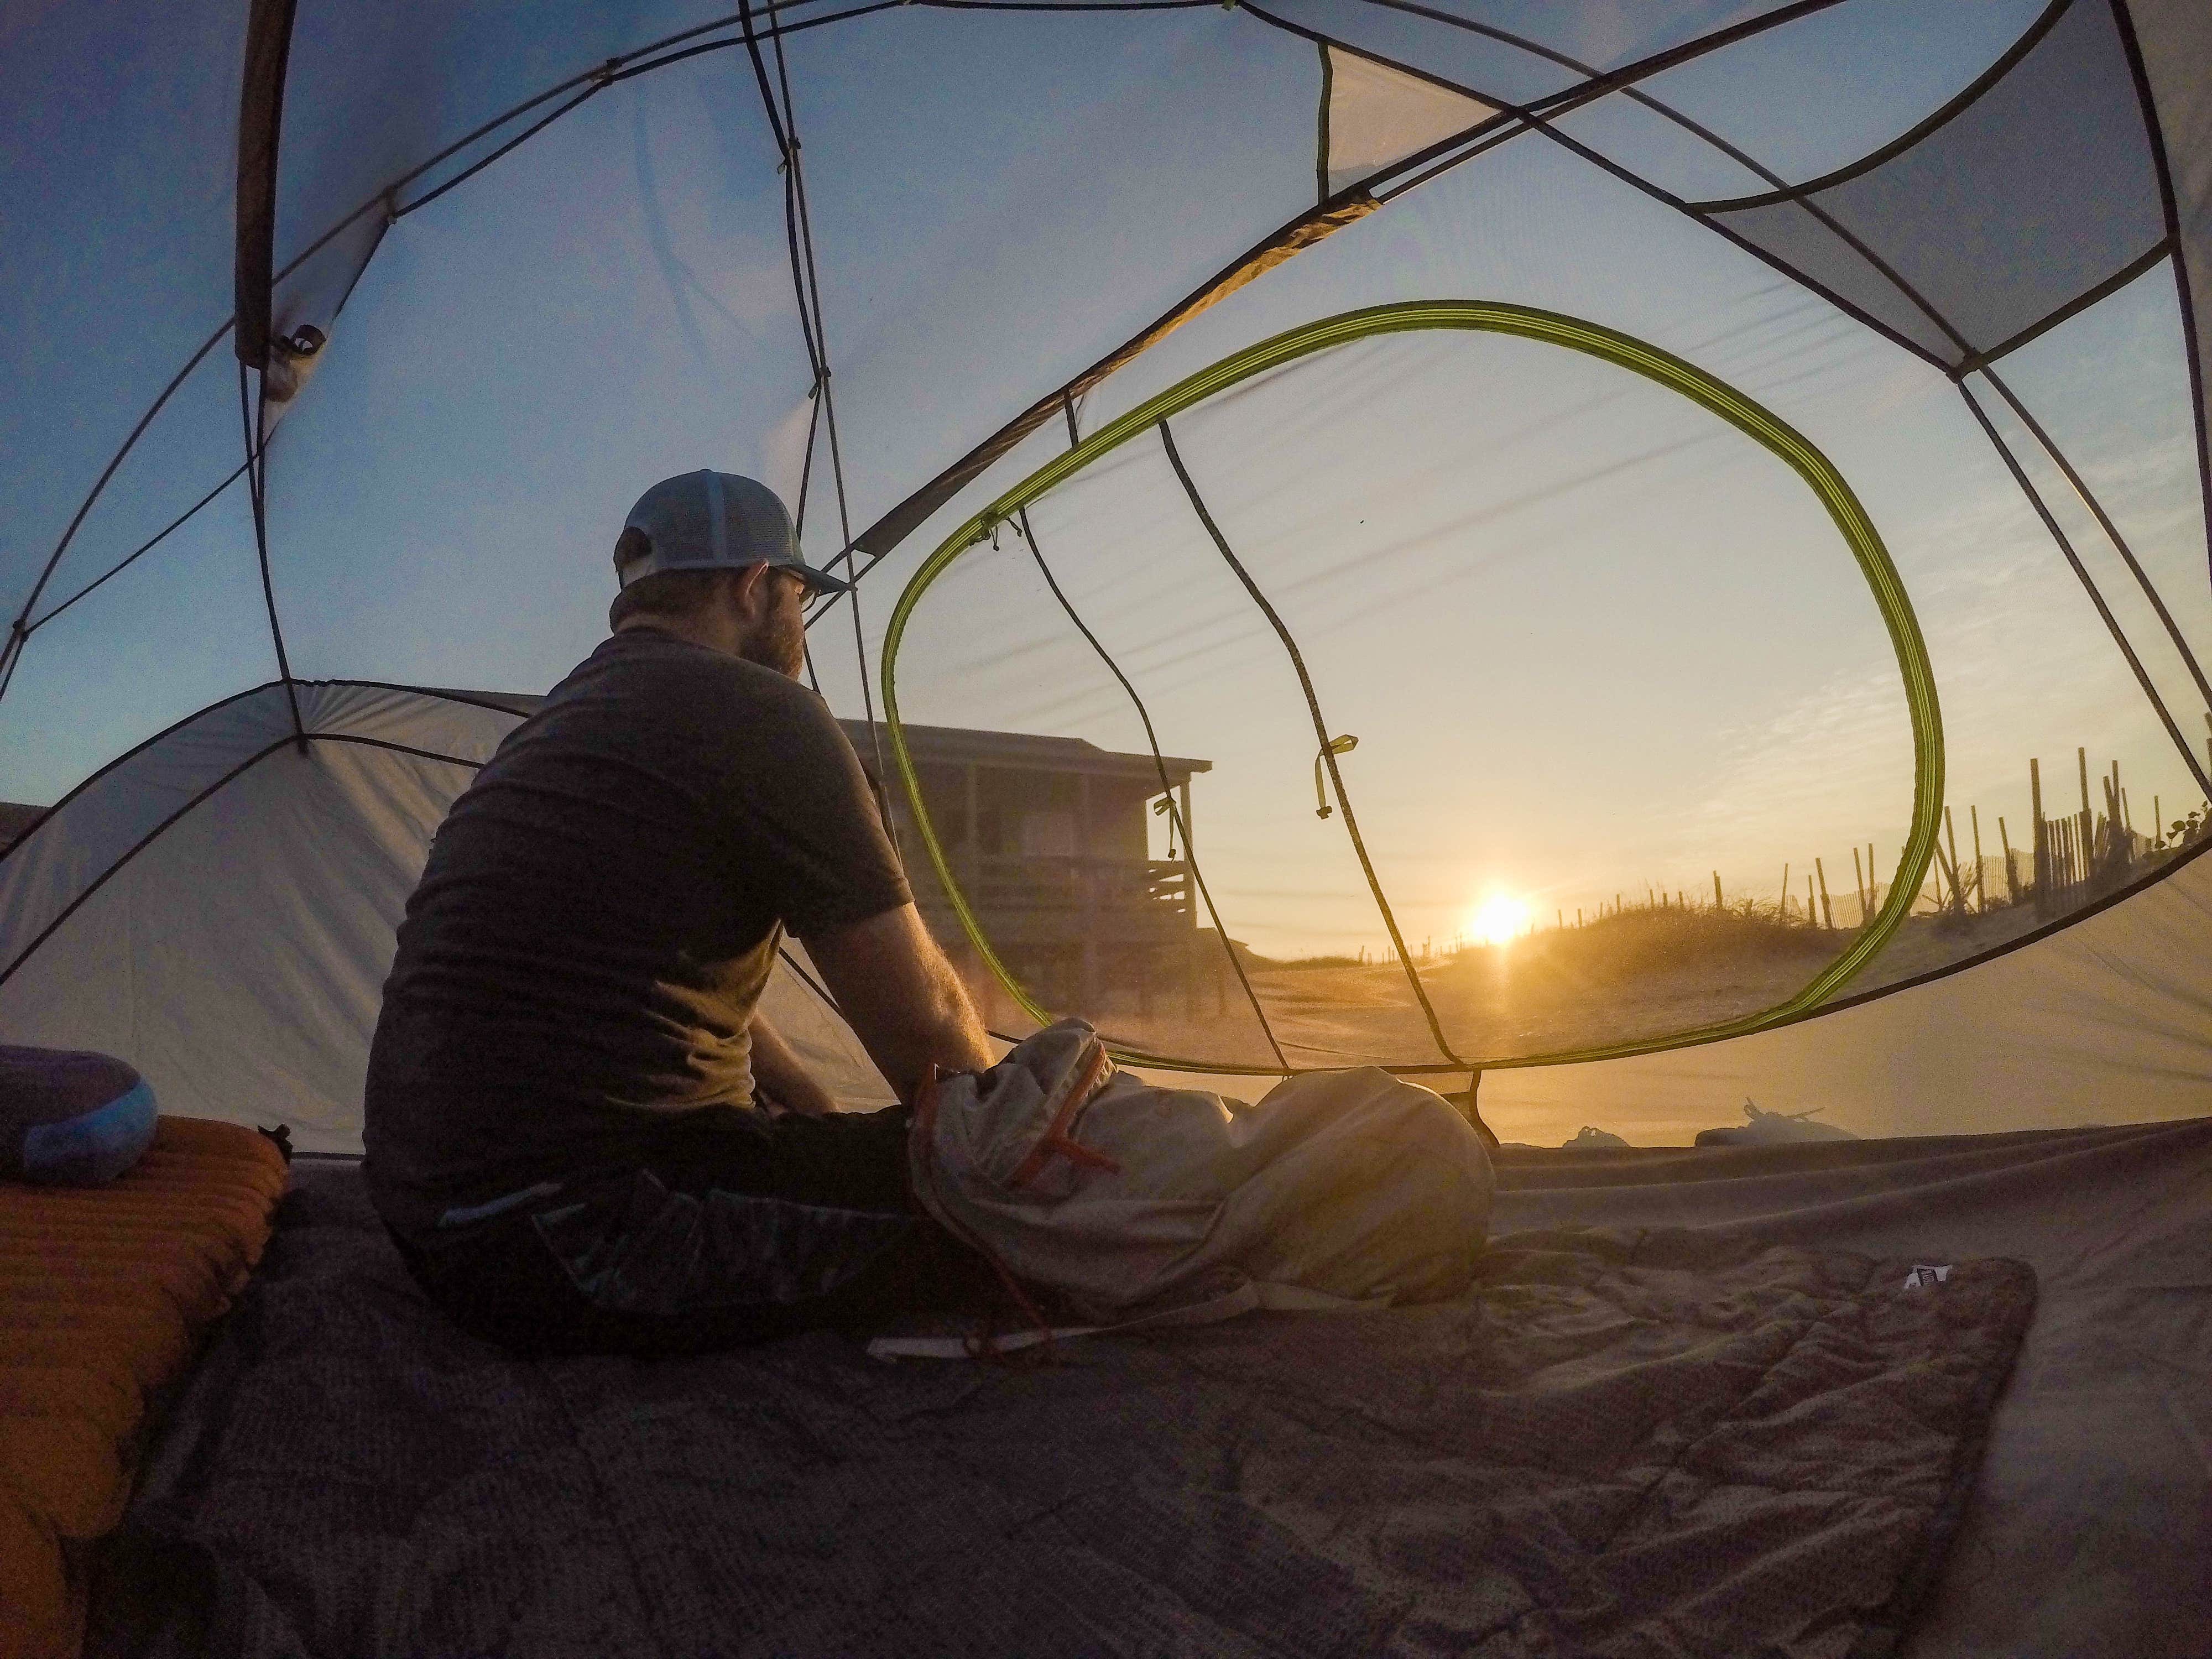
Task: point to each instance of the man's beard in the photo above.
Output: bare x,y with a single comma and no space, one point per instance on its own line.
780,642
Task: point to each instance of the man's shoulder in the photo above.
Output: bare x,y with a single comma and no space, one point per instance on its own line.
690,704
643,662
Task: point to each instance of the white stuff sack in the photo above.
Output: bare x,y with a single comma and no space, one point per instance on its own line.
1135,1201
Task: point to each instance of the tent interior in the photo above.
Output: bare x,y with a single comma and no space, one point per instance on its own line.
1645,567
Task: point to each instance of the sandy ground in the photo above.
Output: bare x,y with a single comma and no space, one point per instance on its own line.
1541,995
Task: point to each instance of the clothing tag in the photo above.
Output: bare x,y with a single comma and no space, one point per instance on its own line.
1923,1276
961,1347
1243,1299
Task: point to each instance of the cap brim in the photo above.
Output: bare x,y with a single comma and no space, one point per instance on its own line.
820,581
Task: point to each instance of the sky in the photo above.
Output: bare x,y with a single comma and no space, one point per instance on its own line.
1590,640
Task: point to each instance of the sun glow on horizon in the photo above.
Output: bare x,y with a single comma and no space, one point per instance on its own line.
1497,920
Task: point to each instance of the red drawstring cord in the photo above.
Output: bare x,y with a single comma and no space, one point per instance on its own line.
1056,1138
983,1346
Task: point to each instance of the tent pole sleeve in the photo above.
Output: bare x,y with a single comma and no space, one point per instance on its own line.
260,121
2192,342
252,415
877,541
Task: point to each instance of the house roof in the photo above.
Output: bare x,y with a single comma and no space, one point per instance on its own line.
961,745
958,745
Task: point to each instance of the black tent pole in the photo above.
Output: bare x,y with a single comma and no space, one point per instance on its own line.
2104,523
2112,622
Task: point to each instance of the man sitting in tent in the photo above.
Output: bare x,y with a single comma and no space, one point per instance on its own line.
579,1129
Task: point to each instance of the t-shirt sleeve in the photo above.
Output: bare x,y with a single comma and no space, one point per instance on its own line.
810,838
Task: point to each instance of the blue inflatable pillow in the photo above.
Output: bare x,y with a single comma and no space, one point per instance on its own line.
70,1119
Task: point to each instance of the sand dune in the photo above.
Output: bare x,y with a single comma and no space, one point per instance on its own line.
1643,974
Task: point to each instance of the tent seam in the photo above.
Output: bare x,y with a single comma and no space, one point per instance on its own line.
136,847
205,794
2087,299
1964,99
1160,767
2163,169
2088,586
128,755
1327,746
978,457
34,623
1531,120
2111,531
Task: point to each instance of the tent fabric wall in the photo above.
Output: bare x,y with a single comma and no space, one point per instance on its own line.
238,959
237,956
2106,1021
95,830
2173,39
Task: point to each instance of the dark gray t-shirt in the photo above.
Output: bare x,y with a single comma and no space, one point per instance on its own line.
599,915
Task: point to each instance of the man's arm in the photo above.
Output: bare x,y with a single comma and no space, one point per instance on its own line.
900,994
780,1076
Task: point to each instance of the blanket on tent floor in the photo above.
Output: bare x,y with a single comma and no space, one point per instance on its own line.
1621,1442
2091,1528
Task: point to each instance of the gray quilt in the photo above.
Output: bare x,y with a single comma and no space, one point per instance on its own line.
1661,1442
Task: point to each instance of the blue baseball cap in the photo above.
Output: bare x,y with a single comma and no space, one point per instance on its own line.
712,521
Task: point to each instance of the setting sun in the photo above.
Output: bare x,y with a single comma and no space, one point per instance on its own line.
1498,919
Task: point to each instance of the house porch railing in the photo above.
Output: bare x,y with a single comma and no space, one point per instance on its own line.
1155,888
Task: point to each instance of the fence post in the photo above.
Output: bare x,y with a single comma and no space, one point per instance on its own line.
1717,903
1827,910
2088,837
2110,859
1951,845
1981,892
2012,875
2042,840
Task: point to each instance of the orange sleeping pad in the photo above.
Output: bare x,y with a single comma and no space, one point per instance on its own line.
104,1291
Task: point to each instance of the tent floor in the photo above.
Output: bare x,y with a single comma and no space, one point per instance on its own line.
2089,1528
